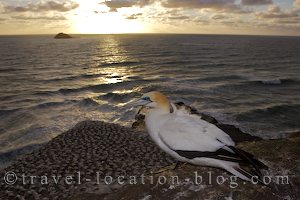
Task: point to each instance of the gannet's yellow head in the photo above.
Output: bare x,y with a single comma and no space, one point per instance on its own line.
154,100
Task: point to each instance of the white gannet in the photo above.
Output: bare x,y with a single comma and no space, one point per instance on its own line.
190,139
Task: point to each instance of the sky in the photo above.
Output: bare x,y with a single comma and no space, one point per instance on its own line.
250,17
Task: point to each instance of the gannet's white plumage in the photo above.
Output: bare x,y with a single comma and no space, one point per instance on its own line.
190,139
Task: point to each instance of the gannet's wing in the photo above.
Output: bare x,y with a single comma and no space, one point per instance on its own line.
191,137
188,132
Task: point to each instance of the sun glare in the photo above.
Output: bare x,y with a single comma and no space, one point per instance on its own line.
92,18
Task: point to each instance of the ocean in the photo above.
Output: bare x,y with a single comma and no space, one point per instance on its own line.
49,85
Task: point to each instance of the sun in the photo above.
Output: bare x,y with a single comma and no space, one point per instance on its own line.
105,23
94,18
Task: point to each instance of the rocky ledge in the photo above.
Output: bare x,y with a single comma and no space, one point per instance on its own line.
86,162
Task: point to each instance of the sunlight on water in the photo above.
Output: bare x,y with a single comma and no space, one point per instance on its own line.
112,48
113,80
114,54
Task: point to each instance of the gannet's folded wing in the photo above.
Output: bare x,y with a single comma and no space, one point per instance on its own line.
192,134
193,138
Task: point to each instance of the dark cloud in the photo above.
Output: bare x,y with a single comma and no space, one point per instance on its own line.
174,14
134,16
219,5
256,2
216,4
219,17
274,12
181,17
115,4
197,3
44,6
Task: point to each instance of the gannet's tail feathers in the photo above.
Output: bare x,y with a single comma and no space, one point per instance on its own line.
234,155
249,159
246,175
260,164
227,153
241,173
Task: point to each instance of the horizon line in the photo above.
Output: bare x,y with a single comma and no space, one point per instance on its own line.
216,34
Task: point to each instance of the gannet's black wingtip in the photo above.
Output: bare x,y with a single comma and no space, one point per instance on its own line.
260,164
249,158
235,155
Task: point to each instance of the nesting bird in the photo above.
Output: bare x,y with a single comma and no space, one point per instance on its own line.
190,139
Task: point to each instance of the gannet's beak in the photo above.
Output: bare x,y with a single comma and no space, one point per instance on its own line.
139,102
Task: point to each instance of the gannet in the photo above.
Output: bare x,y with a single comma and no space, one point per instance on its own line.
187,138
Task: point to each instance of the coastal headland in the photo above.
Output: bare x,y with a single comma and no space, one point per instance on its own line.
98,160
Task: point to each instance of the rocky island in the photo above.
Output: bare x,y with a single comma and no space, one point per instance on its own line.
62,36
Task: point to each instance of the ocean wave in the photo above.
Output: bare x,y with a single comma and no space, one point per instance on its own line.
82,103
154,87
51,104
276,81
254,84
118,97
67,78
272,82
88,102
176,62
284,113
114,64
107,108
8,111
91,75
104,87
77,77
92,88
8,97
44,93
221,78
11,69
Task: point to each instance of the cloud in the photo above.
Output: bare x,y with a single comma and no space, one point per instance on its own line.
215,4
274,12
297,3
44,6
115,4
256,2
294,21
219,5
219,17
173,16
49,18
181,17
276,17
197,3
134,16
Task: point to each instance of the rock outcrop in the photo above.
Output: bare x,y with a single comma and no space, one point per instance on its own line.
62,36
92,151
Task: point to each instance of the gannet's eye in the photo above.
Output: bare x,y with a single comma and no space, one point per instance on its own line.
146,98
